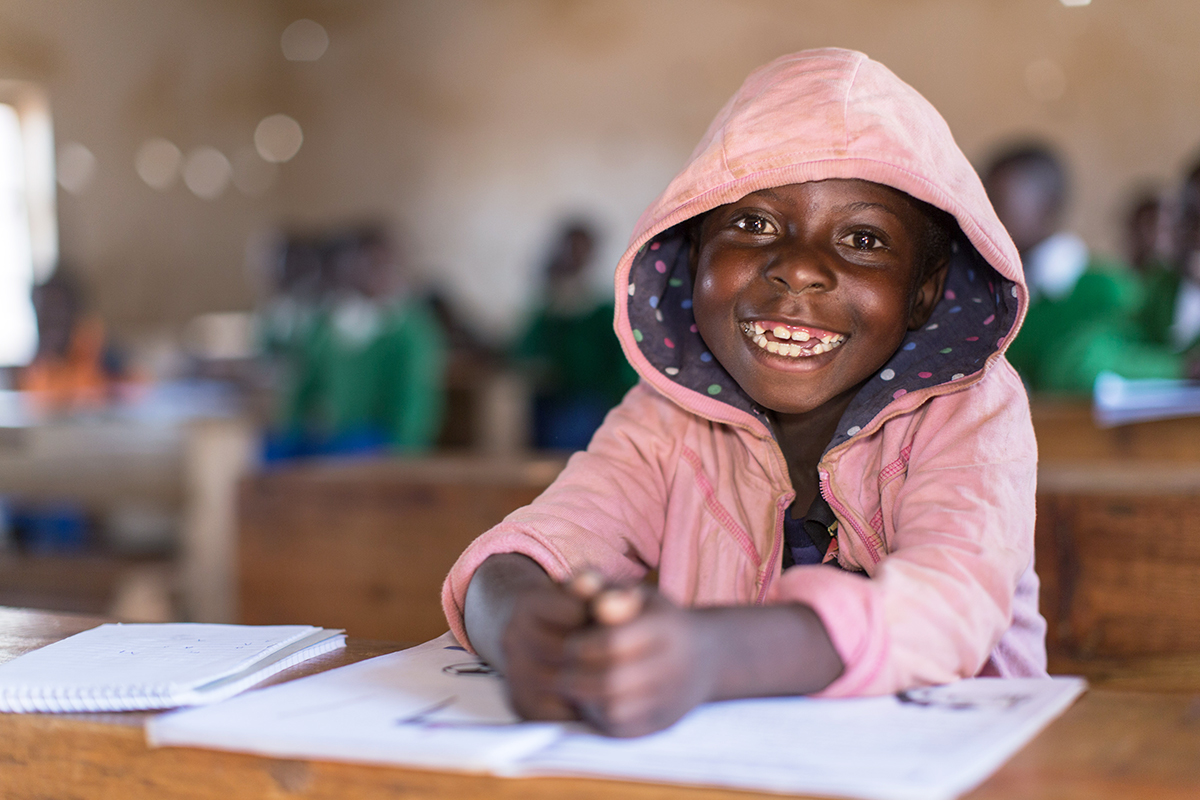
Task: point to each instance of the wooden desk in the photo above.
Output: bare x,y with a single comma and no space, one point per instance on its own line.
1109,745
1118,552
365,545
1066,433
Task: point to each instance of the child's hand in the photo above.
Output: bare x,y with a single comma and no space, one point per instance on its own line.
534,645
642,667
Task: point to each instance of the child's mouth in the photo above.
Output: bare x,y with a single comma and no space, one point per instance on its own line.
791,341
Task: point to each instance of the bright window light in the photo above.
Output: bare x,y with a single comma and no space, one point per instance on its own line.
28,224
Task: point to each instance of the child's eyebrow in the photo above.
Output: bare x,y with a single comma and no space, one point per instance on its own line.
866,205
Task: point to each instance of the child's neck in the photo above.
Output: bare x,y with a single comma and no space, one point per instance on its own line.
803,439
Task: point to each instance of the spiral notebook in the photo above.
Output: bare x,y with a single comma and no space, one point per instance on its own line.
136,667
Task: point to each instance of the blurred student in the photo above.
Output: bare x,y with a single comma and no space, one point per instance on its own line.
571,350
295,286
368,376
1151,245
1149,233
1172,310
1081,318
74,368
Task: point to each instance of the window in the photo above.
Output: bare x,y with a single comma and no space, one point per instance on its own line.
28,226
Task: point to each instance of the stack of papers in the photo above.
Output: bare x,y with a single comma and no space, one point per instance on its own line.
1118,401
117,667
436,706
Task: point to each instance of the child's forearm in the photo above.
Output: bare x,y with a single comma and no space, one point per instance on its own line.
768,651
491,595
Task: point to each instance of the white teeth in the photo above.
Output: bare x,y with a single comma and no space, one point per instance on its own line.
781,332
759,329
794,350
802,336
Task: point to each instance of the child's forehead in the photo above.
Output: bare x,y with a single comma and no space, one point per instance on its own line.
841,189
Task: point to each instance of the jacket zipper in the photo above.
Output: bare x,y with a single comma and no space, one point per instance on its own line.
839,509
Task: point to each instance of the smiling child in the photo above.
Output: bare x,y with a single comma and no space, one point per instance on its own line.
828,466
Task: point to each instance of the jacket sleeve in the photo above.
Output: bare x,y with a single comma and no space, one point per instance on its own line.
959,526
606,510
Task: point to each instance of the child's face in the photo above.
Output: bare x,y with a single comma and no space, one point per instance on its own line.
803,291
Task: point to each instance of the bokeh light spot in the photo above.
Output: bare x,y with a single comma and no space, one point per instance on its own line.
76,167
304,40
207,172
278,138
157,163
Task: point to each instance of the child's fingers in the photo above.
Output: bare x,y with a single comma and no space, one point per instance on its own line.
627,632
586,585
618,606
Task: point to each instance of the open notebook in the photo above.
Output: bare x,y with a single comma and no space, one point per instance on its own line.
436,706
130,667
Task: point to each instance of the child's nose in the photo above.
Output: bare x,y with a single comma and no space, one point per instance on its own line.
798,270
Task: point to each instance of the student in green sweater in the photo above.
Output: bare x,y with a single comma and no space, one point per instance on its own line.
1171,314
570,349
368,374
1083,316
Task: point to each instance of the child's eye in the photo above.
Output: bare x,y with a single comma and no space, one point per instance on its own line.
755,224
862,240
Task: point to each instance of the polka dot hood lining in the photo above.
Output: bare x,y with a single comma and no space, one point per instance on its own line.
812,116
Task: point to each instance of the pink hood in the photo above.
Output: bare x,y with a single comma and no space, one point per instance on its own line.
810,116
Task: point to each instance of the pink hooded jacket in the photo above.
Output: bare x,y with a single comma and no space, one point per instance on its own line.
932,472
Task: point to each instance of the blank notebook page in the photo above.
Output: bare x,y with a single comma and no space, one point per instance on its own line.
145,660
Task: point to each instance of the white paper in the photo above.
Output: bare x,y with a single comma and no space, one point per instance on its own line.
436,706
119,667
1118,401
433,706
938,743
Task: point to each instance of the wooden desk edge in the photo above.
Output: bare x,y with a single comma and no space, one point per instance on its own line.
1110,744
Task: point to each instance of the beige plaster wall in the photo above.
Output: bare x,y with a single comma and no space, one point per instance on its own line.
471,126
119,72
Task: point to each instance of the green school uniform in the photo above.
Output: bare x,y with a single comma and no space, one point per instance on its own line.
1158,311
1064,344
578,355
370,372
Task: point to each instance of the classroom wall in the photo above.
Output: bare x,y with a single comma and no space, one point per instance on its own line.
119,72
471,126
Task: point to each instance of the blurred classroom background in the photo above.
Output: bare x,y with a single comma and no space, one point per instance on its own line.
298,296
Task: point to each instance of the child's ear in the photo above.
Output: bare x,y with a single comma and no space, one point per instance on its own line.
928,294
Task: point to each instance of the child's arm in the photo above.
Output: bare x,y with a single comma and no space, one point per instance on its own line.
648,666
